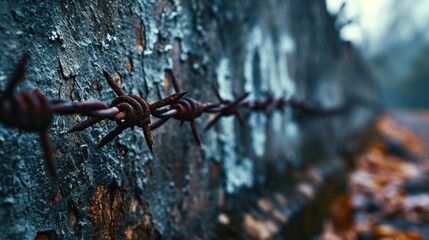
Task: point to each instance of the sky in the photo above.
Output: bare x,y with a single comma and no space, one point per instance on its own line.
378,23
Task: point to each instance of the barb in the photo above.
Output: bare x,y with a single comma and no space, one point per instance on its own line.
230,108
186,109
32,111
129,111
262,105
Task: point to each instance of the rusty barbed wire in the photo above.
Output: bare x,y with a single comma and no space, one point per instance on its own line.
269,103
231,108
128,111
33,112
189,109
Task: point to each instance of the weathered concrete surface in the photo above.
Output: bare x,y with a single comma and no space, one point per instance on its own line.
123,191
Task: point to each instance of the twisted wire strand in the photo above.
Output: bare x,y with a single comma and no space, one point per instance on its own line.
128,111
33,112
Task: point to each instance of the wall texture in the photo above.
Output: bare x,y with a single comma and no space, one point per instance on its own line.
254,181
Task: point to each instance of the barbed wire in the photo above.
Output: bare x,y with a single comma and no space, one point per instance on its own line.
33,111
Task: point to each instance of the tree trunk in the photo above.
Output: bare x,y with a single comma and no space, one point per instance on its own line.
255,181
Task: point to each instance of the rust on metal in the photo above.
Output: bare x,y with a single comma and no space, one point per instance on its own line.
33,111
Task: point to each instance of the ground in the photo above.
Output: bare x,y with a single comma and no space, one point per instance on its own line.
388,191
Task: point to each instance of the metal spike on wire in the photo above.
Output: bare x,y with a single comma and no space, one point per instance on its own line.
128,111
32,111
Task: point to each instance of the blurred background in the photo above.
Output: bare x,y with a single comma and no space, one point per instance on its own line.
387,193
392,35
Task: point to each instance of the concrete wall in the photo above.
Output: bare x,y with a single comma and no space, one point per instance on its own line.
288,48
